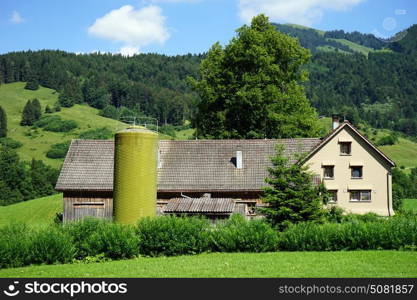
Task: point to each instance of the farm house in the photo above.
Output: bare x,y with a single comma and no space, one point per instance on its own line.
220,177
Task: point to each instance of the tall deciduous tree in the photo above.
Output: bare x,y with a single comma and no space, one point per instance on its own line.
3,123
292,196
251,87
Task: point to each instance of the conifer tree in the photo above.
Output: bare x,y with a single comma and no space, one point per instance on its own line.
291,195
31,112
27,114
32,82
71,93
3,123
37,109
57,106
48,109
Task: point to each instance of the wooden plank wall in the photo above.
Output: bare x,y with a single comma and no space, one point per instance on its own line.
77,206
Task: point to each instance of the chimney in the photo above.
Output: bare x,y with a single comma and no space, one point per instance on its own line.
239,160
335,121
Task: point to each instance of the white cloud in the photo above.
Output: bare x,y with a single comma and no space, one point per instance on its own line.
303,12
16,18
133,28
171,1
129,50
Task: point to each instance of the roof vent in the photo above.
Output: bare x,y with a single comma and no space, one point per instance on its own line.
159,159
239,160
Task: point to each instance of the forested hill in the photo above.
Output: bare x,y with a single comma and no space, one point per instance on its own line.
147,84
354,74
335,40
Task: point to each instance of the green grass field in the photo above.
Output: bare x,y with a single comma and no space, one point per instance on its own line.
410,205
277,264
354,46
404,153
39,211
13,98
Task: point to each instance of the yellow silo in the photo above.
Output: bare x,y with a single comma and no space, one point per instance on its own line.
135,174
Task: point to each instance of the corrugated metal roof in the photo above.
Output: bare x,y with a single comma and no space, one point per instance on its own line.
200,205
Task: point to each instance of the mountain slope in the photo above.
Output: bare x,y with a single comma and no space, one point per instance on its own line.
337,41
36,143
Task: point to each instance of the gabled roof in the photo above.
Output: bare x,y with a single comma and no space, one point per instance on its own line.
333,133
198,165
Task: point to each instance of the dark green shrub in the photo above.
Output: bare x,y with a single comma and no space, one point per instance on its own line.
173,236
57,106
96,134
334,214
55,123
48,109
110,112
50,245
168,130
10,143
240,235
394,233
21,246
387,140
92,237
368,217
113,241
15,246
58,150
79,233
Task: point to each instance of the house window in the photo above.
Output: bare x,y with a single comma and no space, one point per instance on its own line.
332,196
356,172
358,196
345,148
328,172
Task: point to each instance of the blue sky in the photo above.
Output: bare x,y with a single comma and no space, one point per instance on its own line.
179,26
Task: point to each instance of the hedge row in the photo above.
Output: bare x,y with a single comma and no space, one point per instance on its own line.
83,240
394,233
90,238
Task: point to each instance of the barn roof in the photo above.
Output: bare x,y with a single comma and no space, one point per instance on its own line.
198,165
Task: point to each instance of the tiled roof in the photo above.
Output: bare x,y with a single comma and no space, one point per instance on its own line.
198,165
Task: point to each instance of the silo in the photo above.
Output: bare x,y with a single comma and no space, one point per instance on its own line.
135,174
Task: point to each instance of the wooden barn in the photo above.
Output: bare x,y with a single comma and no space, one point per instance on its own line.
220,177
211,177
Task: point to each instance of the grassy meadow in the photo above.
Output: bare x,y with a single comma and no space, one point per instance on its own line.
354,46
250,265
410,205
39,211
36,143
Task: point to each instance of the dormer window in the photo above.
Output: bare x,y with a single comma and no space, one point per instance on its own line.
345,148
